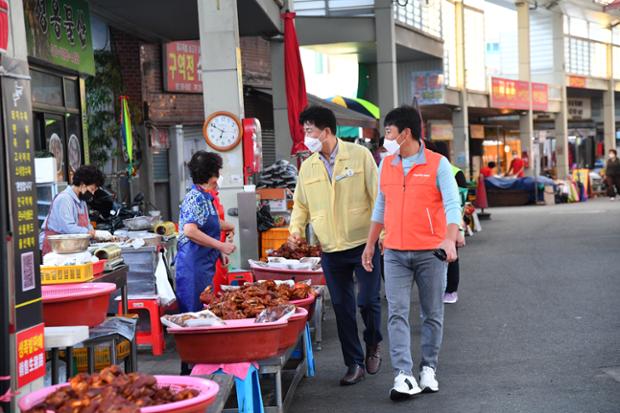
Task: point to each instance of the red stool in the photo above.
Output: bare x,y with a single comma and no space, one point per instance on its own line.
154,336
239,277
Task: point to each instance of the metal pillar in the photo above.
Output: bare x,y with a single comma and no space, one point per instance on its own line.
284,143
223,88
526,121
561,119
460,118
386,56
609,105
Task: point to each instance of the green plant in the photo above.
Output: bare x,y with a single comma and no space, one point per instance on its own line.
102,91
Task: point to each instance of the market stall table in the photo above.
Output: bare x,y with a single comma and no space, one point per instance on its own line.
226,383
56,338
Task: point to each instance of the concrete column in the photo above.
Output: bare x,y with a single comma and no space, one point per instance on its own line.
526,121
609,105
460,118
386,56
176,166
284,143
559,76
223,88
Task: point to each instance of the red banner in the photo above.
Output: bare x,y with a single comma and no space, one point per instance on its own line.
515,94
30,355
577,81
540,96
4,25
181,61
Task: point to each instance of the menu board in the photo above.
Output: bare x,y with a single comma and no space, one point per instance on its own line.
19,147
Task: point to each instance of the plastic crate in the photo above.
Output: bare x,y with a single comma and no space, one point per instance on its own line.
102,356
98,267
66,274
273,239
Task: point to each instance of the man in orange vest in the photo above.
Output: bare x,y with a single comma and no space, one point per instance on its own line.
418,206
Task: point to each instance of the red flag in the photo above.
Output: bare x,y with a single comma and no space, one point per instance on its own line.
296,98
481,194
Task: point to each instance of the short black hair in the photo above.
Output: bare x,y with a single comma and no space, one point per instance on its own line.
491,164
204,166
88,175
320,117
405,116
614,151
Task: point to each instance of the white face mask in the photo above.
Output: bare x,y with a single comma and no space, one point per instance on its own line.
392,146
220,181
313,144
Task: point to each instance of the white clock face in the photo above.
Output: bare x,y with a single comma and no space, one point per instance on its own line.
223,131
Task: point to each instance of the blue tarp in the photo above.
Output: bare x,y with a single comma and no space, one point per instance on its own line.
523,184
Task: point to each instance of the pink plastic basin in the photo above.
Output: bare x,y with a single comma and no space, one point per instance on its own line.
316,277
296,324
237,341
307,303
208,391
84,304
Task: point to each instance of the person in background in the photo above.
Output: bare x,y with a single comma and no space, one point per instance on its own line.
487,171
418,206
336,190
199,245
612,174
68,213
227,233
517,166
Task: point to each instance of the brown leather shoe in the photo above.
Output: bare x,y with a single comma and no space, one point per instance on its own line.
354,375
373,358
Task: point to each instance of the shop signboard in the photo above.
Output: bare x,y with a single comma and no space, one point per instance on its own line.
509,94
428,87
30,354
4,26
577,81
441,131
579,108
540,96
19,147
58,32
181,67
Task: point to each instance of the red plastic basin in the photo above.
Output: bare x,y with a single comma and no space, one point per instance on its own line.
307,303
84,304
296,324
316,277
237,341
208,392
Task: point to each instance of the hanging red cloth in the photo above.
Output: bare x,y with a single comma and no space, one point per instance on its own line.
296,98
481,194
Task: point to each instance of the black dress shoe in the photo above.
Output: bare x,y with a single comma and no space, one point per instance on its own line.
354,375
373,358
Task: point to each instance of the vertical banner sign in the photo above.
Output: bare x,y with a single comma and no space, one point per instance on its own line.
19,146
58,31
30,355
540,96
428,87
182,67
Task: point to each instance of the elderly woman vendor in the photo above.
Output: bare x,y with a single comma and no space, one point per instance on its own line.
68,213
199,245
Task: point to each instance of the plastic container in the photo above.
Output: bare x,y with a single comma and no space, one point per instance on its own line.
98,267
237,341
315,277
296,324
208,392
307,304
273,239
67,274
76,304
102,356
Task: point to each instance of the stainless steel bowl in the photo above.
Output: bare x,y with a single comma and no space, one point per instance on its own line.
141,223
69,243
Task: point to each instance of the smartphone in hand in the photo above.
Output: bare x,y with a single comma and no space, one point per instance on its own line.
440,254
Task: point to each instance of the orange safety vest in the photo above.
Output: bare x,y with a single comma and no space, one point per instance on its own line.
414,216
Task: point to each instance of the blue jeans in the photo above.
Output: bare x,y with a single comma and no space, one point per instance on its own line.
339,268
402,268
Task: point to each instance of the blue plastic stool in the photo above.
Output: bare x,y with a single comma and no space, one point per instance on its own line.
249,398
307,343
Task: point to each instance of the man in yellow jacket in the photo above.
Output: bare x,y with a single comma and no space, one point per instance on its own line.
336,191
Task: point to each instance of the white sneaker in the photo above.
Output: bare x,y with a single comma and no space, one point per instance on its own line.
427,380
405,386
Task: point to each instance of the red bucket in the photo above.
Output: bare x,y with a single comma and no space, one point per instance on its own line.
237,341
296,324
84,304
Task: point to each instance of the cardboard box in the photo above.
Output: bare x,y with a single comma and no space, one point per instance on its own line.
45,170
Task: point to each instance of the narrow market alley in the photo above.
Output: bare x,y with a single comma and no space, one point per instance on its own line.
536,327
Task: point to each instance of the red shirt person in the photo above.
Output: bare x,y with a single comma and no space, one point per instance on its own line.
487,171
517,166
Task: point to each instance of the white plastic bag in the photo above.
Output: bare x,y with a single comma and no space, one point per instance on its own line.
164,289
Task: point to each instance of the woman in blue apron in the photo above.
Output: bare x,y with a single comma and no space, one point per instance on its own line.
199,245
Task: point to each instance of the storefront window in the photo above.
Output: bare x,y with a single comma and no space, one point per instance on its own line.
475,77
578,27
424,15
46,89
449,43
71,93
598,59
